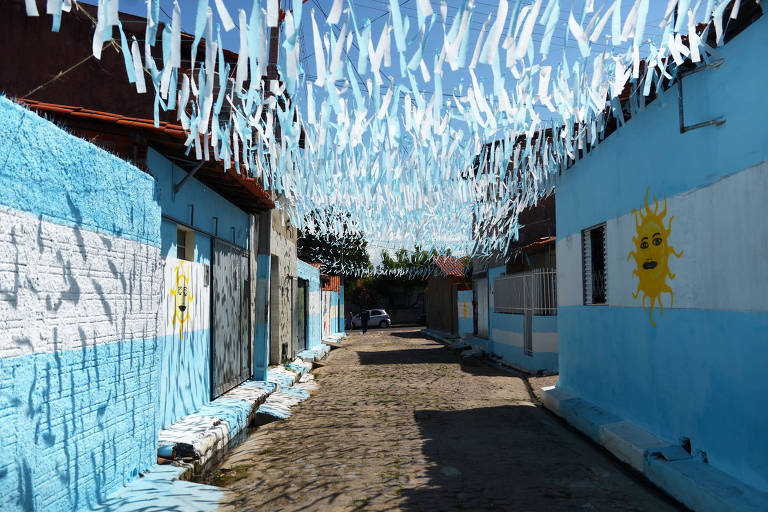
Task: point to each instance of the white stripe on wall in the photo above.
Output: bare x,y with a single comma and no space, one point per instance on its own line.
542,341
721,231
63,288
569,273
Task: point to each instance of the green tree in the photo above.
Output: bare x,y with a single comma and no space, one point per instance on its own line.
345,254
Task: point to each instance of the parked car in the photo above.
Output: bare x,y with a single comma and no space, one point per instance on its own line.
379,318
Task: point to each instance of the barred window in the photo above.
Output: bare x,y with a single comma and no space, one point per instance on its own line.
593,258
533,291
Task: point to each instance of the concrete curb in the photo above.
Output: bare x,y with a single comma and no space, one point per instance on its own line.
687,478
469,348
197,442
335,337
200,440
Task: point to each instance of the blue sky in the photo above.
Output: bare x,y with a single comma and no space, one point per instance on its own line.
378,12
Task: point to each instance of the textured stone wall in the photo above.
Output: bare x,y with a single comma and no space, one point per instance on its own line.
79,293
282,245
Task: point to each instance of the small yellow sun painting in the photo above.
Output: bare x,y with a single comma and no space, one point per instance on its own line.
651,254
182,297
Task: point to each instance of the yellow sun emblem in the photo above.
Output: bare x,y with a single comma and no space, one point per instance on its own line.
652,254
182,296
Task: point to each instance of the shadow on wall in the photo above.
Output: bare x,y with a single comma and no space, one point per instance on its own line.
77,409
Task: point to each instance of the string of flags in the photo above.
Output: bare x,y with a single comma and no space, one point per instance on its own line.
382,139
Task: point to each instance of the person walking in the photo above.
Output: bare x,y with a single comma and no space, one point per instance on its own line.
364,317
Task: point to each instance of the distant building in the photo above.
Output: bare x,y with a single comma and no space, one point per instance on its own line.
514,295
442,295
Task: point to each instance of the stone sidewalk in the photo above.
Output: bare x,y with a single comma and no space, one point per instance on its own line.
195,443
401,423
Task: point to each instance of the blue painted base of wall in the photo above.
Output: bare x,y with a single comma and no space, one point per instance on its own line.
685,476
537,362
508,325
185,374
672,381
76,424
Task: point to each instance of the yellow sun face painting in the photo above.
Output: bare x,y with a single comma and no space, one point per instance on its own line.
182,297
651,254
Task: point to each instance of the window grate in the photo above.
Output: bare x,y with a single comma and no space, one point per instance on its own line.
595,279
534,291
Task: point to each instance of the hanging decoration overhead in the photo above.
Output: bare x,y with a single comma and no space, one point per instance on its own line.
377,137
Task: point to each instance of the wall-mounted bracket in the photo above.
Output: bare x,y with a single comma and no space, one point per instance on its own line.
186,178
714,122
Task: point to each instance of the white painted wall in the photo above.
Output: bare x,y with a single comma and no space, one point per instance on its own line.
63,288
708,224
199,306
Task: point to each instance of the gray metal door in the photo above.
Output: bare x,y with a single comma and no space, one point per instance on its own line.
481,285
231,343
528,332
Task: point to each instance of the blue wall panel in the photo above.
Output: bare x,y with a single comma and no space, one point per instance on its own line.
76,424
261,325
466,322
656,379
738,144
208,205
314,320
66,180
185,374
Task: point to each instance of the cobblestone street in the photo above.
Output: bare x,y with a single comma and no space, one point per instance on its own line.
401,423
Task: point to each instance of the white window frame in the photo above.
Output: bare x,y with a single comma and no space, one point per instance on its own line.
189,244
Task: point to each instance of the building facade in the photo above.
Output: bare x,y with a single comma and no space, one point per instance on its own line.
662,276
81,349
515,298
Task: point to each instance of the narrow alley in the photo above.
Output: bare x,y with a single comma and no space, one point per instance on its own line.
399,422
204,204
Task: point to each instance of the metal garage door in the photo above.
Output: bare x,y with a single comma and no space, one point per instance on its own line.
231,342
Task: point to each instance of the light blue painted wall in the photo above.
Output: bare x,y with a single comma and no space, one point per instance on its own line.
466,324
185,374
208,204
735,91
186,364
335,319
697,374
341,308
66,180
503,326
76,424
694,378
314,321
261,325
168,236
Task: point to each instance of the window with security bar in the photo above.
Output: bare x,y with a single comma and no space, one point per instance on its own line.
593,258
534,291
